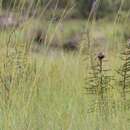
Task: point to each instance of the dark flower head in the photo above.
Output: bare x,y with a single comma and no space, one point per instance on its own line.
128,42
100,55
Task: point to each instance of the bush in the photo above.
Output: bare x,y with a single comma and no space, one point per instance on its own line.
105,6
84,6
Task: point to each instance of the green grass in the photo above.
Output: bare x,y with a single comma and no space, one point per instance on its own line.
46,90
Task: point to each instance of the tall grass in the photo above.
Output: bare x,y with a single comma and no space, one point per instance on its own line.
45,90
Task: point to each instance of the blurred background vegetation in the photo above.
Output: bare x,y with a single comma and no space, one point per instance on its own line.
81,7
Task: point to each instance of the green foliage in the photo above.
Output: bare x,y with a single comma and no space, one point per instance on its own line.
124,73
98,85
84,6
104,6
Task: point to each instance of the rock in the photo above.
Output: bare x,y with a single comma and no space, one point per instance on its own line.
9,20
73,43
39,36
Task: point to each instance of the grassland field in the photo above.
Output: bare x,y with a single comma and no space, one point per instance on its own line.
45,89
